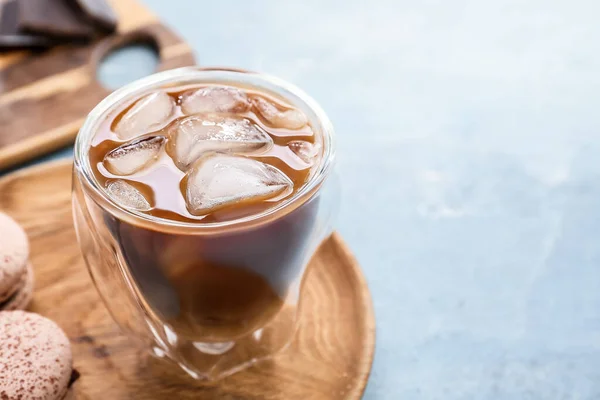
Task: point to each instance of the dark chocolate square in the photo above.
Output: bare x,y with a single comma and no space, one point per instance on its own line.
54,18
10,36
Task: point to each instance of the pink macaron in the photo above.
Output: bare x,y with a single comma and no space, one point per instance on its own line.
16,275
35,358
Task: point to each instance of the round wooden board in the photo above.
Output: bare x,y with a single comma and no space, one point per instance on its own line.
330,357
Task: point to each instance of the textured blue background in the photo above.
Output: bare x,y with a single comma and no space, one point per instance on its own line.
469,151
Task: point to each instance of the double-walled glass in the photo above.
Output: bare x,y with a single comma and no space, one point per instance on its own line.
212,297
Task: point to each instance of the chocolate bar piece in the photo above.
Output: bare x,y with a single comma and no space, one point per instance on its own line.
10,36
99,12
55,18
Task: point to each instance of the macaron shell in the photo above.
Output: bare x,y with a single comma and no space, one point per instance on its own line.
25,294
14,253
16,288
35,357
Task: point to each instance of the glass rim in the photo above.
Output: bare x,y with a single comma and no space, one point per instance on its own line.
215,75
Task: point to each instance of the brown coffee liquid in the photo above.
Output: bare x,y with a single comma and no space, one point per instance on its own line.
164,184
211,288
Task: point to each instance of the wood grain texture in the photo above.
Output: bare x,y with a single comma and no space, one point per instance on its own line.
330,357
44,96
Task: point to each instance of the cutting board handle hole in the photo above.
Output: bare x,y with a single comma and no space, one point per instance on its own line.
126,63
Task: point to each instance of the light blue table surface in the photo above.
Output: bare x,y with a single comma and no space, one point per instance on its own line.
469,154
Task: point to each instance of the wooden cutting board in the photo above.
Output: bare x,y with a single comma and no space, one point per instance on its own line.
44,97
330,357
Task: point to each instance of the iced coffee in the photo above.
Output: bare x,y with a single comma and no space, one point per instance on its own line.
199,198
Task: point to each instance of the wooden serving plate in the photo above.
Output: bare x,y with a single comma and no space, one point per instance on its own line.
330,357
45,96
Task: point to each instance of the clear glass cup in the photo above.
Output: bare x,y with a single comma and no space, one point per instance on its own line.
196,293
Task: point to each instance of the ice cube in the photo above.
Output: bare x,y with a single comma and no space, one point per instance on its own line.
307,151
133,156
148,114
219,180
127,196
215,99
191,137
288,119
